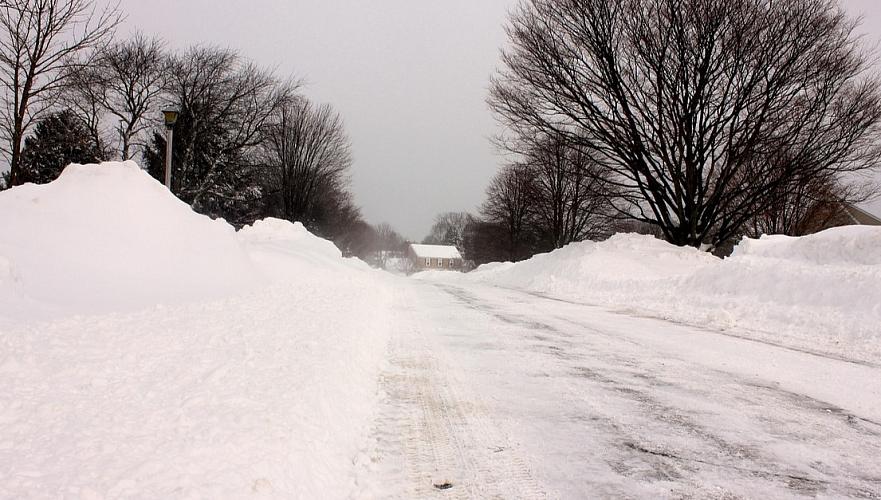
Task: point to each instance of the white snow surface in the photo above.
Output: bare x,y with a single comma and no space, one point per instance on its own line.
819,293
147,351
109,237
262,364
282,250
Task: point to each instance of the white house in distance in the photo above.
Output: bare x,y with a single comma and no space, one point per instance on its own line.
437,257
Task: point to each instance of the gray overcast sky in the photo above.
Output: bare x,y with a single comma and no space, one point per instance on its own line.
409,77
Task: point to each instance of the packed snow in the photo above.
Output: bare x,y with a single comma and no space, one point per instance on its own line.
219,365
516,395
820,292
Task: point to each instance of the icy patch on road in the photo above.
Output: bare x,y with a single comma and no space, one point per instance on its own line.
820,292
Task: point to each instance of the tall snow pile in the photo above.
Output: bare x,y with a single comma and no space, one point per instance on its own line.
109,237
284,250
225,369
820,292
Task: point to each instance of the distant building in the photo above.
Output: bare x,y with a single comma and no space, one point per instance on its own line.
436,257
826,216
853,215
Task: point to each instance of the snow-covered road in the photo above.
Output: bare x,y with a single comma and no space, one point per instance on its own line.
497,393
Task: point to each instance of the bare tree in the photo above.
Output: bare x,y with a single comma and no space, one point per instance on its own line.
509,204
84,93
448,229
389,239
407,266
227,106
569,199
389,245
696,110
133,74
38,39
805,206
308,155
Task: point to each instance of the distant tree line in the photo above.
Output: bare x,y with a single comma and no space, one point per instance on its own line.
549,197
247,144
699,121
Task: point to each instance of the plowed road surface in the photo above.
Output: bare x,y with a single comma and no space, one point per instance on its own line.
495,393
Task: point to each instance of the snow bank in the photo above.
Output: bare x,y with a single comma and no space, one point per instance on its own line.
269,394
613,264
847,245
109,237
282,250
819,292
233,365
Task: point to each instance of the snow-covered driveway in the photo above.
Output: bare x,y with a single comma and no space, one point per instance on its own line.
496,393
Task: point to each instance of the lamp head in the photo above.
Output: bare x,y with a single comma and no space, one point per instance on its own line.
170,116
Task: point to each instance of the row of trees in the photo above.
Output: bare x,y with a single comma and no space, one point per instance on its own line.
551,196
699,120
41,41
247,144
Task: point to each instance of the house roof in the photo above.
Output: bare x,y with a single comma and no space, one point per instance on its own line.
861,216
436,251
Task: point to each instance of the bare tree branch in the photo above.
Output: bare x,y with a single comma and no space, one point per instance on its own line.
698,111
38,39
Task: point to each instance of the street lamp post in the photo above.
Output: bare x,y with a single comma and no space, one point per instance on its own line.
170,119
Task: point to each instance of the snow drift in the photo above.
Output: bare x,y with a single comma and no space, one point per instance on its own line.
109,237
820,292
223,370
282,250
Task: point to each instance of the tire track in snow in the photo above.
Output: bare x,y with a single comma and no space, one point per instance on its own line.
644,451
433,438
728,333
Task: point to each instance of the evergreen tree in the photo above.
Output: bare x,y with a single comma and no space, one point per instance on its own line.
59,139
